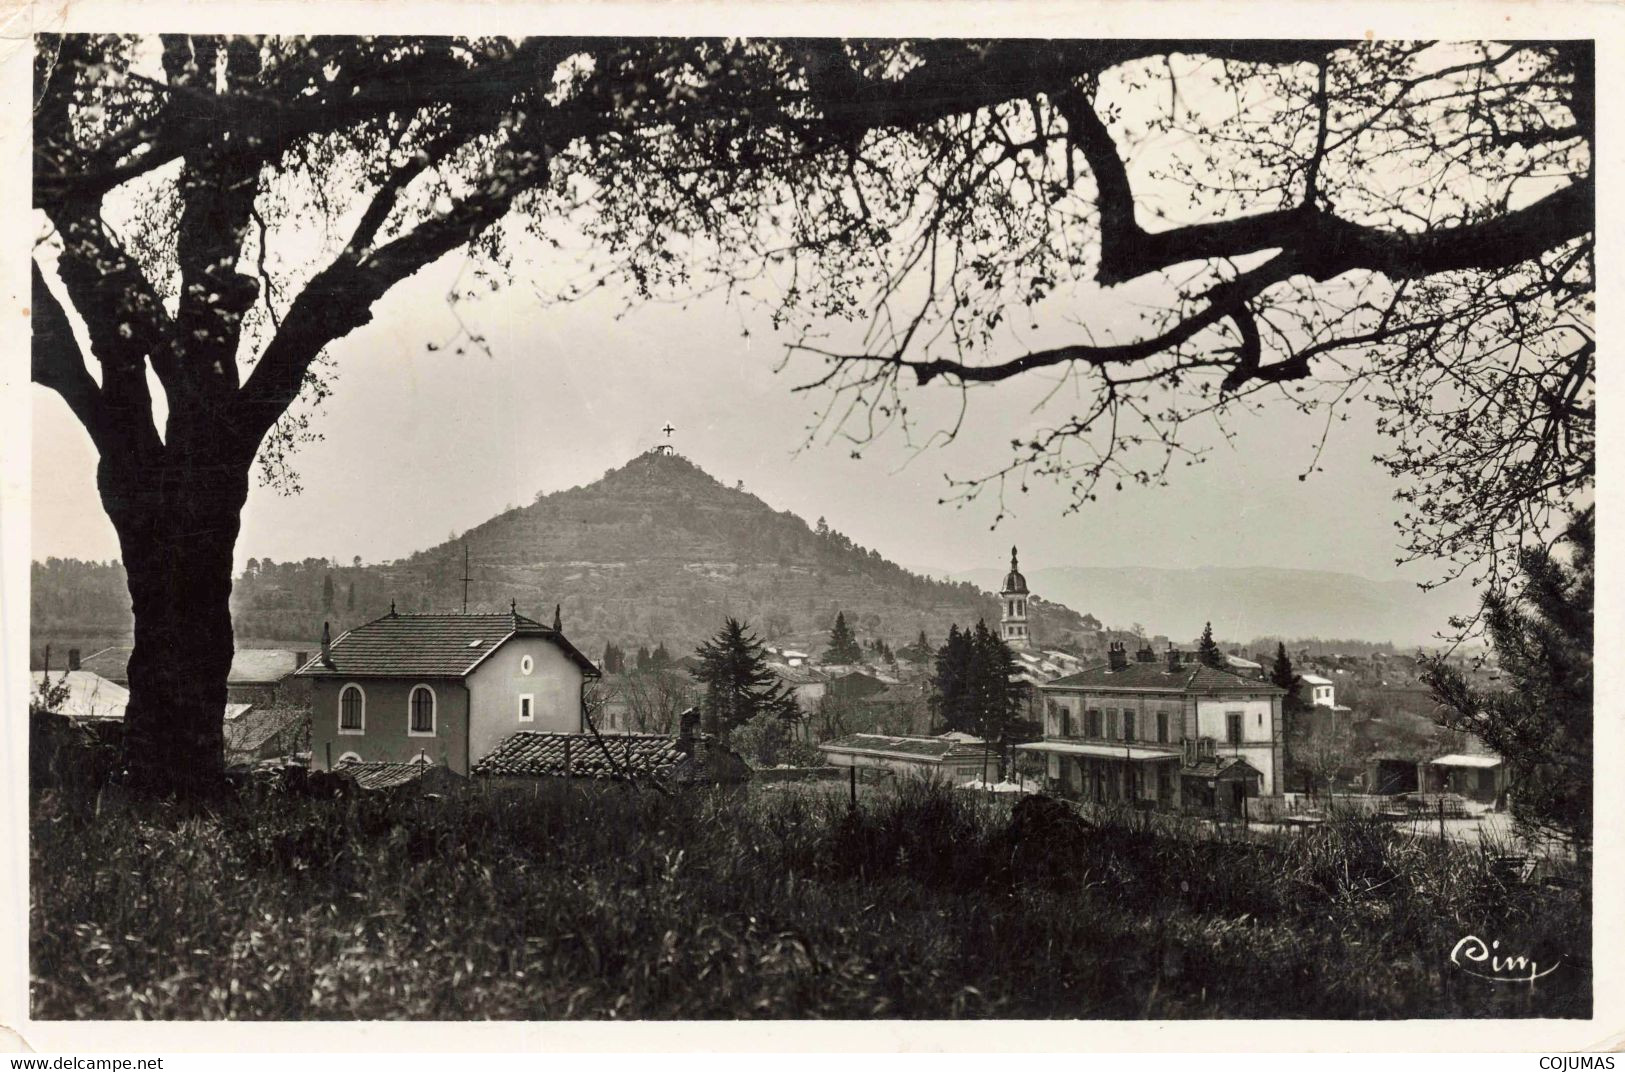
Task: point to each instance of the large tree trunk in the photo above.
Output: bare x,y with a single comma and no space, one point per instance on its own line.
177,524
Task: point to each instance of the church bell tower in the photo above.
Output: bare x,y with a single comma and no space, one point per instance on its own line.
1013,612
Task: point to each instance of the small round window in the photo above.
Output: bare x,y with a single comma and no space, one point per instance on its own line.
526,665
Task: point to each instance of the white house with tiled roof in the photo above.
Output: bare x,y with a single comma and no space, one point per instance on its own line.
441,688
1162,732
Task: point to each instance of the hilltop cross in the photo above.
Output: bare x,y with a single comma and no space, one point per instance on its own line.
668,429
665,448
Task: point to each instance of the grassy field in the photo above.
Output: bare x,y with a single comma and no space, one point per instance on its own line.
596,901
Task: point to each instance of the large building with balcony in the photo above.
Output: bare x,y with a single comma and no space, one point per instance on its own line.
1163,732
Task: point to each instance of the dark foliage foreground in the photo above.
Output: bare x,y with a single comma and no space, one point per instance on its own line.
594,901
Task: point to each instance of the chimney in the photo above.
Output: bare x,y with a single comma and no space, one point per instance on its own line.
1117,655
300,658
73,659
1146,654
687,725
558,618
1173,660
327,646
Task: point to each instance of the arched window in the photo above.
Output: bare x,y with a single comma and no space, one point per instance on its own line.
349,757
352,710
421,705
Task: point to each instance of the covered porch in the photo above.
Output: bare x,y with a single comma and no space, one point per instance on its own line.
1479,778
1137,775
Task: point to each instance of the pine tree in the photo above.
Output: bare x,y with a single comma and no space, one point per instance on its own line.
1542,725
660,658
349,598
643,657
327,594
843,646
1208,652
952,682
738,683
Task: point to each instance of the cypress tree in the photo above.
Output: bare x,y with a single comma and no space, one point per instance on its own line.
1208,652
1283,676
952,680
843,646
998,694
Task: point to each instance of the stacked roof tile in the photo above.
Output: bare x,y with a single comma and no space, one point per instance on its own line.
383,775
582,755
255,728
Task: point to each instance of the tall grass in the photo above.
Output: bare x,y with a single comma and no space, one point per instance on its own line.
593,901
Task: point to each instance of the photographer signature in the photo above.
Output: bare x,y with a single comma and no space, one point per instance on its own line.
1472,950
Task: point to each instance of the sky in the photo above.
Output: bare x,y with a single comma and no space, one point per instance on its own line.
418,444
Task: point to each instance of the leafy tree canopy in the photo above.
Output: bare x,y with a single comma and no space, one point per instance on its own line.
1304,221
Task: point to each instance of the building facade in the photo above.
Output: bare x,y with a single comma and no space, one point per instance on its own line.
1321,691
445,689
1165,732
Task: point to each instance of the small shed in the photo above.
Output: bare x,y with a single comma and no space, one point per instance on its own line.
1479,778
1218,786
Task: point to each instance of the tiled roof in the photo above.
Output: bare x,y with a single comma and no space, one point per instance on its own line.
1194,677
1220,767
931,748
383,775
431,645
581,755
252,729
249,666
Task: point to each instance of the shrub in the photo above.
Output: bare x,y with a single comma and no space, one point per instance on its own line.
597,900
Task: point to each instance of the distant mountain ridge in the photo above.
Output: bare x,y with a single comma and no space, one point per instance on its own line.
660,551
1244,602
654,551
